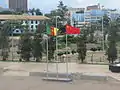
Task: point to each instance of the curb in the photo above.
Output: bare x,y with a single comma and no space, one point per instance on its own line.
76,76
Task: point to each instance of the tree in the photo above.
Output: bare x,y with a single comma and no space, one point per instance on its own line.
51,48
81,43
25,46
6,12
4,40
41,27
37,48
113,38
106,24
92,30
81,48
61,12
112,52
36,11
52,15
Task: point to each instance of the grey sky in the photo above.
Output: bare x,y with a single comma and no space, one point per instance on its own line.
47,5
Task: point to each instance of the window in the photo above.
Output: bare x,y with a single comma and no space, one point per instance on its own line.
32,26
31,22
17,31
93,17
36,22
32,30
26,22
98,17
36,26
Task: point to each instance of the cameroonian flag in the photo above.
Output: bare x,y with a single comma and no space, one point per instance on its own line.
48,29
54,31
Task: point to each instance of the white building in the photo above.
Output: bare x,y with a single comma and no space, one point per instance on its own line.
33,25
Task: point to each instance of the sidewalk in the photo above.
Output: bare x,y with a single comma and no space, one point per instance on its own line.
23,69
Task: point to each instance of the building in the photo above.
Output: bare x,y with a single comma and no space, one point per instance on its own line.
33,24
18,5
93,15
113,14
81,16
93,7
5,10
76,15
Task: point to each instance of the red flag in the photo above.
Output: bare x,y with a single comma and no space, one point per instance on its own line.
52,31
72,30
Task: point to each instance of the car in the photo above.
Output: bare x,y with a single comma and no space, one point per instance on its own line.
115,67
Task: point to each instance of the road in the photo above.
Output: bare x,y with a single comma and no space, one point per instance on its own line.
36,83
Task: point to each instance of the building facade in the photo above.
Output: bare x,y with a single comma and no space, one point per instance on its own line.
33,25
87,15
18,5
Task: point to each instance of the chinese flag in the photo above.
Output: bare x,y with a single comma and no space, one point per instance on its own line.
72,30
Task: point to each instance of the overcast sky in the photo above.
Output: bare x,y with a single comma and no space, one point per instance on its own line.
47,5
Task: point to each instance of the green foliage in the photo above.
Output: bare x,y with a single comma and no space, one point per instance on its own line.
41,28
25,46
37,11
37,47
61,46
5,12
113,38
70,39
4,40
81,48
112,51
51,48
60,11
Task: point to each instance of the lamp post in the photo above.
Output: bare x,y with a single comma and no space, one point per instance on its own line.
12,44
103,34
57,46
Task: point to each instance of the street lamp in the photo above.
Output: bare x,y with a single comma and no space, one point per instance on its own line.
57,46
103,29
103,33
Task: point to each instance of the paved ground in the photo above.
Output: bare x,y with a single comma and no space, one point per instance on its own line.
36,83
23,69
14,76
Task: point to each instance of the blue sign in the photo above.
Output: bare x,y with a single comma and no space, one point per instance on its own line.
97,13
78,17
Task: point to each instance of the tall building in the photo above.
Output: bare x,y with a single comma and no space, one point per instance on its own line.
76,14
18,5
93,7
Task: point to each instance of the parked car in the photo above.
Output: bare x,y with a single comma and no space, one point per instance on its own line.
115,67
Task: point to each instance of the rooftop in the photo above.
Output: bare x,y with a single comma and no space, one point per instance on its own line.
22,17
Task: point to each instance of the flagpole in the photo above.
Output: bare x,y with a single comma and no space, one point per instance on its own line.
47,57
66,58
56,51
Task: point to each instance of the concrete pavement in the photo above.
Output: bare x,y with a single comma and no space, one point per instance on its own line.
23,69
15,76
36,83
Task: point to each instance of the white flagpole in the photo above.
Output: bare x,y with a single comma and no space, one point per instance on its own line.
66,58
47,57
56,51
103,35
